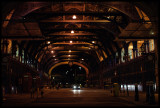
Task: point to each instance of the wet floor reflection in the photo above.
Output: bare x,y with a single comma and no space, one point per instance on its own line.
76,91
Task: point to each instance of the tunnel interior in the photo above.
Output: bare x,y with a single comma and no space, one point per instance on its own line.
112,42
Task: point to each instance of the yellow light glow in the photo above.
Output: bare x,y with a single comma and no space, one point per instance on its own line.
72,31
70,41
69,50
74,17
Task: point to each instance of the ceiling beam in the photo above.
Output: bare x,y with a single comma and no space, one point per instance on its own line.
52,13
75,21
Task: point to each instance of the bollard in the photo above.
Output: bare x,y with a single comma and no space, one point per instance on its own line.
136,92
127,91
115,89
151,93
37,92
147,91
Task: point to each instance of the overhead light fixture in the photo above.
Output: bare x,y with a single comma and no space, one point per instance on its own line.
72,31
69,55
70,41
82,59
54,56
74,17
93,41
48,42
52,51
69,50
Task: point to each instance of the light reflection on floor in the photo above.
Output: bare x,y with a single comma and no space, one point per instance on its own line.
76,91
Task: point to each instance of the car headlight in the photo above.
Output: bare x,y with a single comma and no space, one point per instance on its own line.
74,87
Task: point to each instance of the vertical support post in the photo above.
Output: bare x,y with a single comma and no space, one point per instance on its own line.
119,56
136,92
156,65
126,53
135,53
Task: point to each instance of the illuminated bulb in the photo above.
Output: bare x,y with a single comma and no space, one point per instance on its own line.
55,59
54,56
69,55
69,50
74,17
52,51
72,31
49,42
82,59
70,41
93,42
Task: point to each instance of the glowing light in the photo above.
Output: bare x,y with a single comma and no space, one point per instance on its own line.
76,91
74,17
82,59
54,56
48,42
70,41
55,59
69,50
69,55
52,51
93,41
72,31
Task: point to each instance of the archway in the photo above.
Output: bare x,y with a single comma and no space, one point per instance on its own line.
62,63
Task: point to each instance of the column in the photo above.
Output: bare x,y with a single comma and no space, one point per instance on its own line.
135,51
126,53
156,64
119,57
13,49
20,54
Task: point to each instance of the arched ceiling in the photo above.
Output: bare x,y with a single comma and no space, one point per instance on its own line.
44,29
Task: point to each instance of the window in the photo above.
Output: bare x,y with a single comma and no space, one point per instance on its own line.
22,56
130,50
139,44
151,45
122,55
17,51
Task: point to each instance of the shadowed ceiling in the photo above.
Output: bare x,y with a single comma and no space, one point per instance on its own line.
51,34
